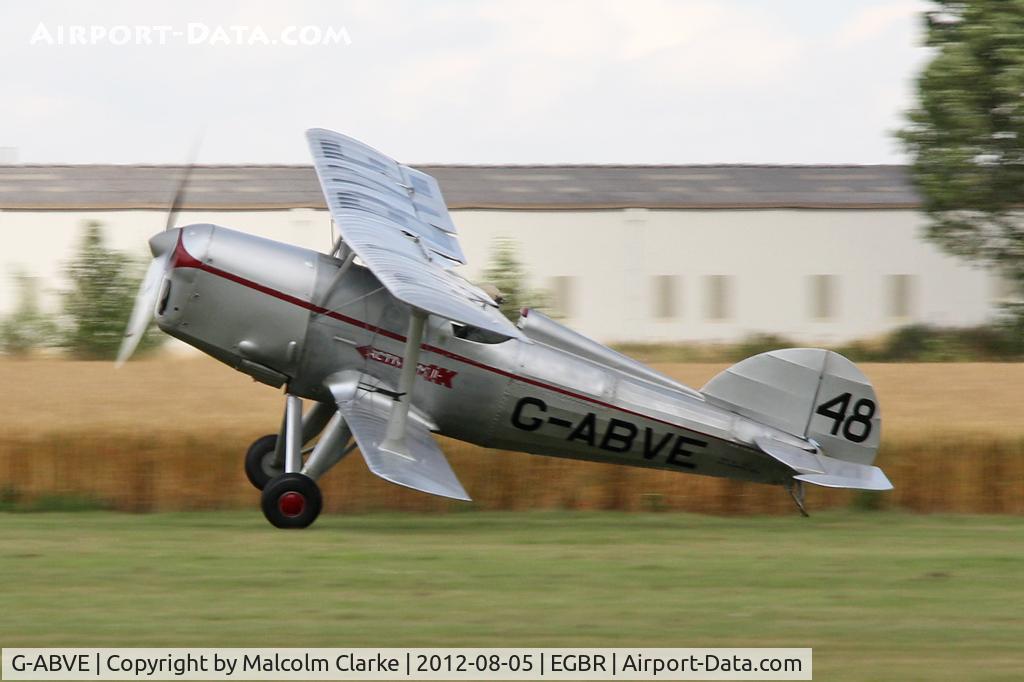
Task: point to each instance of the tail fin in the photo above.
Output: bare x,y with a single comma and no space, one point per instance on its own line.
816,395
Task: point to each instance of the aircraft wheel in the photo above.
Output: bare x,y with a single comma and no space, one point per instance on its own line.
259,461
291,501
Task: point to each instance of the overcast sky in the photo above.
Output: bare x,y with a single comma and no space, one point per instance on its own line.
457,81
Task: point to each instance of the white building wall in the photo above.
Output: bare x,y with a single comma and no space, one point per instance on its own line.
612,258
769,254
40,242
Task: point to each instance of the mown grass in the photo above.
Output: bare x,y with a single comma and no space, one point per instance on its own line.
879,596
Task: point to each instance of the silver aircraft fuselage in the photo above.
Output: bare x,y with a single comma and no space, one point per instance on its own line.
283,315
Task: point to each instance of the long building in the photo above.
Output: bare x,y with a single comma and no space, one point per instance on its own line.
822,254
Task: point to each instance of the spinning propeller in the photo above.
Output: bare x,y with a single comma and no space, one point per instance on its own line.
162,247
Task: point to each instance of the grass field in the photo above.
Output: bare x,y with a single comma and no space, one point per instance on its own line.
879,596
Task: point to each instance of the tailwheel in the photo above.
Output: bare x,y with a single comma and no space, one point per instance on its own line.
291,501
261,463
796,491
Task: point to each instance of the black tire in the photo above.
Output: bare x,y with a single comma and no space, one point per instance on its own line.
291,501
259,461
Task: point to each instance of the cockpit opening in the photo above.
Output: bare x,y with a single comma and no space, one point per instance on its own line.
476,334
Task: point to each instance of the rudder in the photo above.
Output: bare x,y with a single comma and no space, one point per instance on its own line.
811,393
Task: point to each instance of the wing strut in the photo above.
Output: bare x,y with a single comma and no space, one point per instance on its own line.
345,265
394,437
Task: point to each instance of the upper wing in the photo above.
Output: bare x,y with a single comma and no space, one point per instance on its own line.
395,219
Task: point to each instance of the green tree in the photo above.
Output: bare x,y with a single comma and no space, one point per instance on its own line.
966,134
103,284
505,272
28,328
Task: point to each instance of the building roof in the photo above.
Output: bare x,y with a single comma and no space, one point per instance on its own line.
115,187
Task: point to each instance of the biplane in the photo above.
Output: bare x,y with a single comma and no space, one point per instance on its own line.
380,343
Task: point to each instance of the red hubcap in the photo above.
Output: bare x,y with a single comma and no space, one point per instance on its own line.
291,504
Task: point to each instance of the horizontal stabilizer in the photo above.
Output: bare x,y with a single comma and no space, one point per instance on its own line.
796,459
423,467
878,481
822,470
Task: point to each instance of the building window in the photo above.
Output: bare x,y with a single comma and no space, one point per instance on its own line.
822,293
718,298
563,295
900,295
666,301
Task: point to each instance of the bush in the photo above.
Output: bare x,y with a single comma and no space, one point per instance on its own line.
11,500
1010,325
100,300
910,342
867,501
756,344
505,272
921,343
1001,341
27,329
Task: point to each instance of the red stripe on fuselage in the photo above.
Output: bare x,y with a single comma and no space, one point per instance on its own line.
183,259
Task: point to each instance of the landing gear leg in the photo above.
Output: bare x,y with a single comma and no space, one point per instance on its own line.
265,458
293,499
330,449
796,491
292,434
314,421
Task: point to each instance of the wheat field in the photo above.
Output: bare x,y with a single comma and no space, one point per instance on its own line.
198,394
169,433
